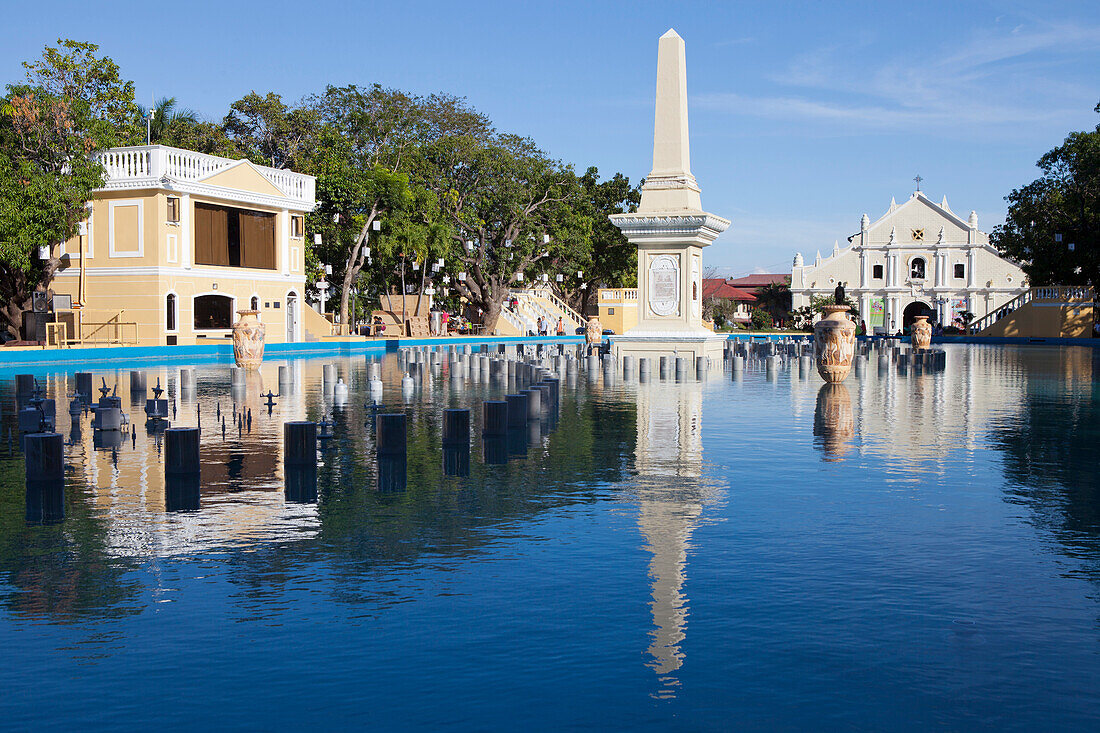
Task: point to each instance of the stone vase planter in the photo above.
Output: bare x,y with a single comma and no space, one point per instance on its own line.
921,333
593,331
834,343
248,340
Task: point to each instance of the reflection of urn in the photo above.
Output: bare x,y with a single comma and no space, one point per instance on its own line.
834,343
834,424
922,333
593,332
248,340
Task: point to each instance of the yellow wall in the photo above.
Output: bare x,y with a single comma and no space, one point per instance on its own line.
1040,320
618,312
157,258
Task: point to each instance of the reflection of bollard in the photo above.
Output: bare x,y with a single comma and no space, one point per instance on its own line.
804,364
236,377
643,369
456,460
555,392
182,492
681,367
883,363
494,450
771,366
628,366
544,397
300,484
300,443
903,363
593,363
738,364
187,380
181,451
328,374
517,410
390,434
456,427
284,378
494,418
663,367
340,393
861,365
701,368
534,403
392,471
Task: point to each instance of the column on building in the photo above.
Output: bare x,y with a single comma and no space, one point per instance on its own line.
284,240
187,239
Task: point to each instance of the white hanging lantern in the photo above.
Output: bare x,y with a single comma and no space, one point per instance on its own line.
470,245
462,277
559,277
316,238
546,239
519,276
435,267
376,225
416,264
366,251
580,274
545,277
440,262
507,242
429,291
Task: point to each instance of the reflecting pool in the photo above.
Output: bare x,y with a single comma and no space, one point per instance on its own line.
903,551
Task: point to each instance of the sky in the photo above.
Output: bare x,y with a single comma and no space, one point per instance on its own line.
803,116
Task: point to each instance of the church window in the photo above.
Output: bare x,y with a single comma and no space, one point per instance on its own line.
918,235
960,271
876,272
170,312
916,268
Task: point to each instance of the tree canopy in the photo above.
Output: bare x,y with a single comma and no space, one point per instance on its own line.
1053,223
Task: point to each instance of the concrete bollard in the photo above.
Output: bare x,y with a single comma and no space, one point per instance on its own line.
662,370
284,378
681,367
187,380
456,427
805,365
375,386
643,369
738,364
340,393
236,376
300,443
628,366
181,451
390,433
771,366
494,418
24,386
517,410
544,398
328,374
84,385
534,403
137,387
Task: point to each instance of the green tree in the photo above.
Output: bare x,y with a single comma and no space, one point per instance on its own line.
267,131
74,103
502,198
164,117
775,300
609,260
805,316
1064,203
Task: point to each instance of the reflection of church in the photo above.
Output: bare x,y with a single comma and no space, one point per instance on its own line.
919,258
670,496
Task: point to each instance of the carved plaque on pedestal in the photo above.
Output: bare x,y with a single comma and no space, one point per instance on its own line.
664,285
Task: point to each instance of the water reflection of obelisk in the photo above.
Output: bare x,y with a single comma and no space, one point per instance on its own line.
670,497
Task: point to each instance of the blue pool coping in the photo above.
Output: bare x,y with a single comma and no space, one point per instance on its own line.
79,359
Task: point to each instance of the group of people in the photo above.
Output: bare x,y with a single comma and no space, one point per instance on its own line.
543,326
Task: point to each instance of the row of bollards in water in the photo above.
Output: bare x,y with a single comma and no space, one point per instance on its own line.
507,424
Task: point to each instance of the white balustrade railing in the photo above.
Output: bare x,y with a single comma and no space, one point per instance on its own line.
1050,293
153,162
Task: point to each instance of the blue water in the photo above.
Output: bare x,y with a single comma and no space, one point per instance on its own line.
910,552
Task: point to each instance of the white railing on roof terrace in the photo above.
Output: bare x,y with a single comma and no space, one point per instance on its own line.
149,163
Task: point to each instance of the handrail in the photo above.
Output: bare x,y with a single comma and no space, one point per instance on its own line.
1057,293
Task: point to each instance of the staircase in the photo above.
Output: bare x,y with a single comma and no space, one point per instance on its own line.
1050,311
544,303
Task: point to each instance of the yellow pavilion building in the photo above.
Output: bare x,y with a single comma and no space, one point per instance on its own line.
177,241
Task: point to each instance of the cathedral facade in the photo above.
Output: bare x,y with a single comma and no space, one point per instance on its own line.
919,258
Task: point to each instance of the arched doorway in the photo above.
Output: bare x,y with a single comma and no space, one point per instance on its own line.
914,309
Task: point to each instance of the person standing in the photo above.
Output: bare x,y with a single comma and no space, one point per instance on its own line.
561,327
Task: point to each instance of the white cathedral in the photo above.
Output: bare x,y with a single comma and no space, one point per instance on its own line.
919,258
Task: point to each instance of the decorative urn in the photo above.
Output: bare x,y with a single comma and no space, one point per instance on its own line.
248,340
921,333
593,331
834,343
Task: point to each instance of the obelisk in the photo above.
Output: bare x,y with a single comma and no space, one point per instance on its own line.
670,229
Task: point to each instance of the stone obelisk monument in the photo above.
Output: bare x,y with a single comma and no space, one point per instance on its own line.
670,230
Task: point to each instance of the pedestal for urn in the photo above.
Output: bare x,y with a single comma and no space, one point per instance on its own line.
593,331
921,337
248,340
834,343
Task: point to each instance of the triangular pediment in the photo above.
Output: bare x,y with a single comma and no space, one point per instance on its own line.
243,176
918,199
